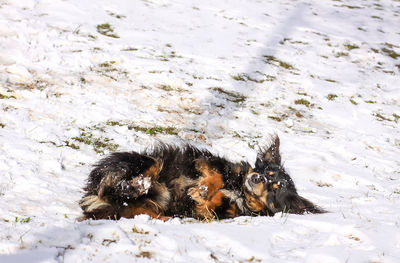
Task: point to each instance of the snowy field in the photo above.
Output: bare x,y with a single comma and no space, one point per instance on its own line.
80,79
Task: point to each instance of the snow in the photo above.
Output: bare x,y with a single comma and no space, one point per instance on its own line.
226,75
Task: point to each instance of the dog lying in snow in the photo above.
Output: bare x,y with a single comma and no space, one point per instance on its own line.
185,181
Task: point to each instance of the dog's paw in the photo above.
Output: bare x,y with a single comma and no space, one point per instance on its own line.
141,184
199,193
93,203
203,191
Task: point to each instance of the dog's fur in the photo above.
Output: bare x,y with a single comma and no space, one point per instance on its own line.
185,181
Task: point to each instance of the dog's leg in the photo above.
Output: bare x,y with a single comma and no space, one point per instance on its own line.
154,205
96,208
117,180
124,175
146,208
207,194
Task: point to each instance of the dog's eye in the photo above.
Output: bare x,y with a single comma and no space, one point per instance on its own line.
257,178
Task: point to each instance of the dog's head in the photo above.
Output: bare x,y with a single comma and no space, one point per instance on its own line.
268,189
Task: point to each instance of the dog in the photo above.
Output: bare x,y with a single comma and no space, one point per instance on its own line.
184,181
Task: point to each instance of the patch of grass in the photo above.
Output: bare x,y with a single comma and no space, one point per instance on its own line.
144,254
107,64
302,93
22,220
275,118
396,117
393,118
99,144
331,80
239,77
110,70
155,130
322,184
391,53
341,54
377,17
389,45
150,131
116,15
331,96
163,58
71,145
278,118
353,101
107,242
6,97
66,144
92,37
291,41
254,259
350,6
130,49
273,60
139,231
353,237
370,101
165,87
350,47
302,102
381,117
114,123
231,96
197,77
269,77
106,30
246,77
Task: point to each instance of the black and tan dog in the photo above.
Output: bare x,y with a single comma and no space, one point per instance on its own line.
185,181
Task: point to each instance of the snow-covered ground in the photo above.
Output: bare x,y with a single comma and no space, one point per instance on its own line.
79,79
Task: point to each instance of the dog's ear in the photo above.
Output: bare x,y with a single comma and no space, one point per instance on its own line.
270,155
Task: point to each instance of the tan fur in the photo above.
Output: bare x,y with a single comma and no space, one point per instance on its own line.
256,204
206,194
179,186
154,208
164,196
93,203
205,208
154,170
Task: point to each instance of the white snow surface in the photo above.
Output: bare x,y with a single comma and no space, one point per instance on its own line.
79,79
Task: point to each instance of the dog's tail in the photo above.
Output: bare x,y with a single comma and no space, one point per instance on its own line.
291,202
96,208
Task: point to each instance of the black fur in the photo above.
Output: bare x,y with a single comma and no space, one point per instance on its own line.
185,181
